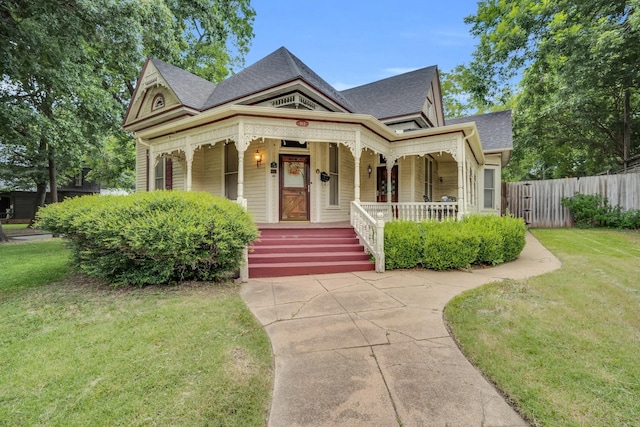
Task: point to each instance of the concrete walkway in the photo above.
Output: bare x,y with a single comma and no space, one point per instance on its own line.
370,349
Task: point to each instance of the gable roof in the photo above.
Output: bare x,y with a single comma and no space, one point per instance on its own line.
495,129
275,69
395,96
191,90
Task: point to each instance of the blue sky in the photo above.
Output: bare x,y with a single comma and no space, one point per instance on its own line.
353,42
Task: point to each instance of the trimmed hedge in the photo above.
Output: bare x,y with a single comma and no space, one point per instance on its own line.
449,245
477,239
402,244
152,238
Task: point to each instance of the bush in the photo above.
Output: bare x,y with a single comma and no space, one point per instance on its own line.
402,244
492,240
155,237
587,210
513,232
449,245
477,239
594,210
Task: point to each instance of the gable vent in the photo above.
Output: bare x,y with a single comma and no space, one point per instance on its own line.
294,101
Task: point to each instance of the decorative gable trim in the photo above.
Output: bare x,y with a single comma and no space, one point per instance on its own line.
296,99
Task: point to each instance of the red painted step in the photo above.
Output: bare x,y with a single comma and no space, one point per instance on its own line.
301,251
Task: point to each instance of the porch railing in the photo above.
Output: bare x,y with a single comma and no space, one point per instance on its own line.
418,211
371,233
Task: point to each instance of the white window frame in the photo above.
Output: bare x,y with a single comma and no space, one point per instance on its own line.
493,191
159,174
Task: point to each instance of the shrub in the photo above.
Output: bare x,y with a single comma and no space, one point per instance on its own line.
449,245
155,237
513,232
489,230
477,239
587,210
594,210
402,244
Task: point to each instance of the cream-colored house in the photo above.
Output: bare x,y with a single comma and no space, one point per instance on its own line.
279,138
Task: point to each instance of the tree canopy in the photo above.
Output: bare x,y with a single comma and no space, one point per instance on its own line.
68,69
577,106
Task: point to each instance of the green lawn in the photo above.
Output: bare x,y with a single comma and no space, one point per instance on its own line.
77,352
14,226
26,265
565,346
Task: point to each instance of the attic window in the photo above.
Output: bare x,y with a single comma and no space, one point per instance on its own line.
158,102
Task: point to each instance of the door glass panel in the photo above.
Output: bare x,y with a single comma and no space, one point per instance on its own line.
294,174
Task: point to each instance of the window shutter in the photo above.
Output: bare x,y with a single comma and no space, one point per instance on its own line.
168,174
147,186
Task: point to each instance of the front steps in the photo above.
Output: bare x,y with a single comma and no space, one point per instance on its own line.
300,251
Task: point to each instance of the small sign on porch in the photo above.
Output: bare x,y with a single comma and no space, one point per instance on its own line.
302,123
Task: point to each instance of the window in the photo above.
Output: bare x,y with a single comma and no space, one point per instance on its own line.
160,175
489,188
158,102
78,180
287,143
230,172
428,179
334,196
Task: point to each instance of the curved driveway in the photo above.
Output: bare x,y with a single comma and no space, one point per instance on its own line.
369,349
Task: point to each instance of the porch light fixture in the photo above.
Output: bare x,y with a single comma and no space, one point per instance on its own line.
441,180
369,170
258,157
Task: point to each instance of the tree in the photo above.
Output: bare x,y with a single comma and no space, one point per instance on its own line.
577,110
458,99
68,69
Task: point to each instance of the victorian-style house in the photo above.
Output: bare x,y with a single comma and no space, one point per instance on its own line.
283,142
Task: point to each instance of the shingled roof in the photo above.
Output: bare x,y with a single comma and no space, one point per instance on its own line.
274,69
395,96
494,128
191,90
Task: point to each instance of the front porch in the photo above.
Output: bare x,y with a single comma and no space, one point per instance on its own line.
287,249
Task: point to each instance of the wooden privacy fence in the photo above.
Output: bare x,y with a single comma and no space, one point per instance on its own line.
539,202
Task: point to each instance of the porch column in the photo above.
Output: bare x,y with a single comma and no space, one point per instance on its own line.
189,160
461,179
357,155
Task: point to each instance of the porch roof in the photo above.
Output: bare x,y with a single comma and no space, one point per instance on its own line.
467,130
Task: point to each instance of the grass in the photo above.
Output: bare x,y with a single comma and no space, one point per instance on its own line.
27,265
14,226
562,346
78,352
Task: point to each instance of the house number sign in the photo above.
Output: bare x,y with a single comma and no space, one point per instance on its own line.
302,123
